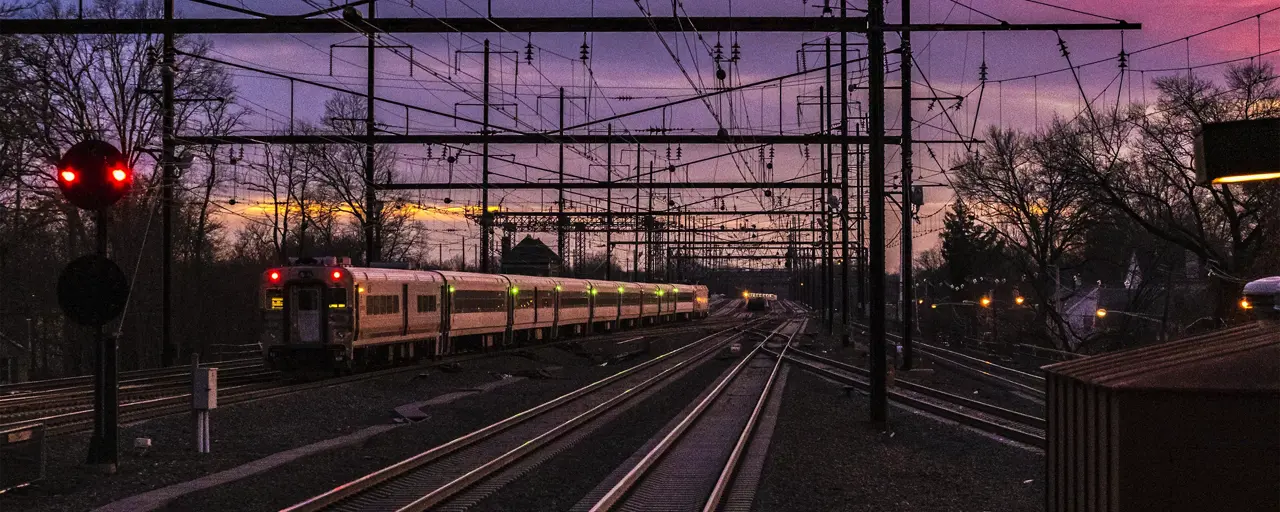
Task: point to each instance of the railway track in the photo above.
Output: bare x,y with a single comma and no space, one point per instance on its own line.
68,410
463,471
983,416
694,464
1028,385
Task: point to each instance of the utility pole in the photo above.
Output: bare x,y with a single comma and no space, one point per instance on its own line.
168,352
560,220
648,232
486,219
608,208
844,181
875,40
828,227
908,198
370,197
824,277
635,233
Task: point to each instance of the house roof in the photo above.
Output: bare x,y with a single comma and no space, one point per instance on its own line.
531,251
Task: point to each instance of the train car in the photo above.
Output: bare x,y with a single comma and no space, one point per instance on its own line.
534,313
606,304
327,313
574,306
759,301
701,305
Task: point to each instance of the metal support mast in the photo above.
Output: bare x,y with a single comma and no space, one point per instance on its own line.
486,218
828,233
370,197
168,352
608,210
908,198
560,220
844,181
875,41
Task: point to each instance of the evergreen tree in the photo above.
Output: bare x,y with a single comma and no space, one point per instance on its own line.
969,249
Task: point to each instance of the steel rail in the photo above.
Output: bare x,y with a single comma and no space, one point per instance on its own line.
957,416
628,481
731,465
970,403
374,479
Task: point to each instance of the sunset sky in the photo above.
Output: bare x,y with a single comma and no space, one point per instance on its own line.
636,70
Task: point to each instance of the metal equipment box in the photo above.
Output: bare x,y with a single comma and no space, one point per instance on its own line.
204,389
1190,425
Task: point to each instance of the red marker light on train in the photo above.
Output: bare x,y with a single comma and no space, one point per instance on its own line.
274,275
337,274
119,174
68,175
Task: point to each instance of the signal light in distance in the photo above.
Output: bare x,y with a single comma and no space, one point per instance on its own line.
274,276
93,175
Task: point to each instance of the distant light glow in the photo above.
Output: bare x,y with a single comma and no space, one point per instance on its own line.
1102,313
119,174
933,306
1245,304
515,290
68,175
1019,300
452,289
274,275
337,274
986,302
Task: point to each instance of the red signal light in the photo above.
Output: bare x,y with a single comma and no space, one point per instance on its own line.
274,275
68,175
119,174
337,274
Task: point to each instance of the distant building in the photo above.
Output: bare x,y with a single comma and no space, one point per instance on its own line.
531,257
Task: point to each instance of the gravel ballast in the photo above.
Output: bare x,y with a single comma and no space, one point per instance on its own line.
249,431
826,456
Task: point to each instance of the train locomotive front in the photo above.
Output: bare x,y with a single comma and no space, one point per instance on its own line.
309,316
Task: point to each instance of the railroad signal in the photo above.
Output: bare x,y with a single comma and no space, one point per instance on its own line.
93,175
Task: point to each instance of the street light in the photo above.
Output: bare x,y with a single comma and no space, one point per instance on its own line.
986,302
1019,300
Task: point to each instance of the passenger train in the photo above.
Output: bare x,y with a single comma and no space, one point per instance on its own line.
759,301
327,313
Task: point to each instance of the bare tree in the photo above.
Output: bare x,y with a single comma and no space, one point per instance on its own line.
1141,164
1015,186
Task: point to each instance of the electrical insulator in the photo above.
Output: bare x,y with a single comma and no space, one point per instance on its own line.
585,51
678,151
528,52
718,54
735,53
1124,59
982,72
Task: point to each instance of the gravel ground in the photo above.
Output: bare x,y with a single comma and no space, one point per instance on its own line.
249,431
825,456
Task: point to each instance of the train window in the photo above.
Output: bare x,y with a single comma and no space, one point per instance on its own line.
685,296
336,297
573,300
382,304
473,301
426,303
308,300
545,299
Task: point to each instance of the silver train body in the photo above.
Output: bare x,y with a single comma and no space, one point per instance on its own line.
340,315
1262,297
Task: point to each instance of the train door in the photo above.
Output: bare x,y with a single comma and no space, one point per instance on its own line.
446,308
307,312
555,312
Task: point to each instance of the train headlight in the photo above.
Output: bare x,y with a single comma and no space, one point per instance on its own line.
1245,304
